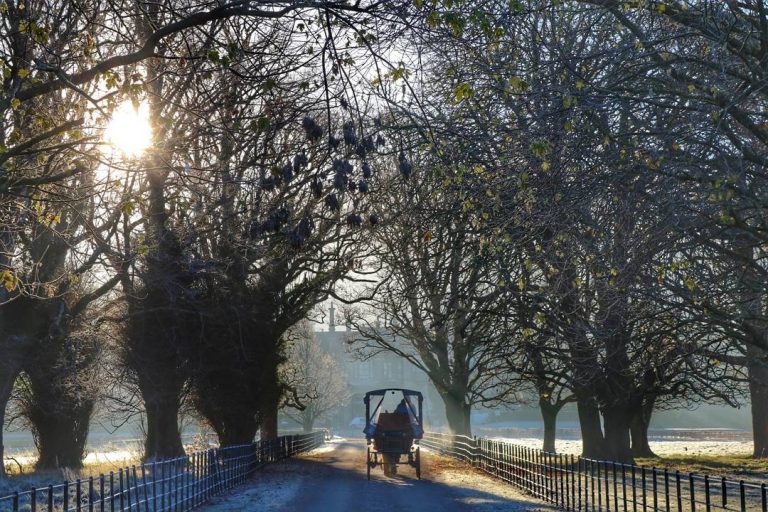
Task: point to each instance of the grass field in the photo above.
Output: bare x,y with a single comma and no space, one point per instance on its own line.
736,466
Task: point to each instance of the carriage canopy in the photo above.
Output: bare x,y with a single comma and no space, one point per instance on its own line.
389,400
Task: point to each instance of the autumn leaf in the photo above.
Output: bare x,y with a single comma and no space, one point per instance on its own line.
8,280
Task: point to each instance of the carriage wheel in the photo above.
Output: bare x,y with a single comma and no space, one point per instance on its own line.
368,463
418,462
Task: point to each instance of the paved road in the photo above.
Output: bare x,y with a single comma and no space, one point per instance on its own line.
333,479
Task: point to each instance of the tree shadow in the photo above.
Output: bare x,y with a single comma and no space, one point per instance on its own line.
337,481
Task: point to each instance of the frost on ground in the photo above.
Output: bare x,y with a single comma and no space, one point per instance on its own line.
334,478
478,490
268,490
662,448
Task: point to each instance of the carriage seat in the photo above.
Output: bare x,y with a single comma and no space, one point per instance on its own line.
394,433
394,422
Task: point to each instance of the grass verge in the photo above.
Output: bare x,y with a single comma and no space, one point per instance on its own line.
737,466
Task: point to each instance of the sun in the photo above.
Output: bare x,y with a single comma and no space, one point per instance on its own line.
129,130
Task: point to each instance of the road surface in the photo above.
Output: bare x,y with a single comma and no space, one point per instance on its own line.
333,478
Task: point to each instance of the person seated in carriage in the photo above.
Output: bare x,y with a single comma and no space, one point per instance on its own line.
397,421
404,419
391,435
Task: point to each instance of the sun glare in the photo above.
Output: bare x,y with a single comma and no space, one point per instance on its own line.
129,130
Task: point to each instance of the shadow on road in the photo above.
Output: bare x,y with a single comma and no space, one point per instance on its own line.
336,481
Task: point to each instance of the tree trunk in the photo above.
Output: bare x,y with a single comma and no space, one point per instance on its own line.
163,436
638,426
61,441
308,421
61,434
617,441
271,394
7,377
758,393
458,414
237,430
751,300
591,431
232,417
268,426
549,415
13,349
59,400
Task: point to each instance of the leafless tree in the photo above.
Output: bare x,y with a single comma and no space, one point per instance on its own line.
318,384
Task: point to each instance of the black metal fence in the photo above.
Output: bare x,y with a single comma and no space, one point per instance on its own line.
179,484
577,483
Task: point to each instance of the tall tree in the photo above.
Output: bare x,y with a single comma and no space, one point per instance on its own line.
317,384
439,289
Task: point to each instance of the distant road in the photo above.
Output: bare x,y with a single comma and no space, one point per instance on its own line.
333,479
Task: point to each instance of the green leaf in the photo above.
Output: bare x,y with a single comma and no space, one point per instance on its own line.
268,84
541,148
264,123
433,19
518,84
463,91
398,73
455,23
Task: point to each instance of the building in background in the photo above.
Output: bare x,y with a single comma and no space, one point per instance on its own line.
383,370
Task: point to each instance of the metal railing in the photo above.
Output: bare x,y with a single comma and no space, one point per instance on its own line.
578,483
179,484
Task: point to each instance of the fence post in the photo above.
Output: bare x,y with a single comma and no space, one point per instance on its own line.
154,485
213,472
706,492
724,492
691,492
90,494
122,489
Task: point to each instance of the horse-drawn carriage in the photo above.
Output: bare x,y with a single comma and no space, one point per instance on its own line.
393,435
